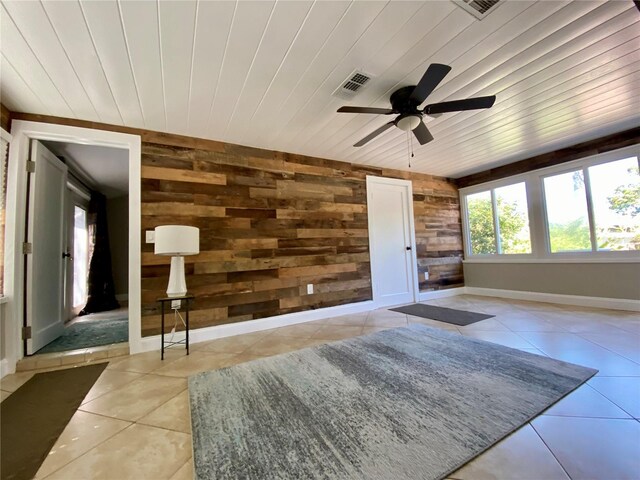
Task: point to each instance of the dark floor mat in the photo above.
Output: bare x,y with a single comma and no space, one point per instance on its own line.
448,315
33,417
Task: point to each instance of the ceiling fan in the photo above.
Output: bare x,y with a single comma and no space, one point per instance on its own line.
405,102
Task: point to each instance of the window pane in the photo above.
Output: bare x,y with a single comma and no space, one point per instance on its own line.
80,256
615,193
513,219
566,203
481,231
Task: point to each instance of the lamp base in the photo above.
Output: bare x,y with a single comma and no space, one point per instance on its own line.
177,283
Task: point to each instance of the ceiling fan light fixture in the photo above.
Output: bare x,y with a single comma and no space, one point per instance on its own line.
410,122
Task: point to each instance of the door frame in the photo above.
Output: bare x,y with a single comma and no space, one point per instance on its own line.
371,182
22,133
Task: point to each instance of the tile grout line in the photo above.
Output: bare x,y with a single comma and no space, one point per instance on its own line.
550,451
594,388
84,453
114,389
602,346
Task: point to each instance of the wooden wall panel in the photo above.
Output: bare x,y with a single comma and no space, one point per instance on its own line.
272,222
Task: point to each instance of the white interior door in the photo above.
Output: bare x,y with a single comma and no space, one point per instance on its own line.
46,232
391,241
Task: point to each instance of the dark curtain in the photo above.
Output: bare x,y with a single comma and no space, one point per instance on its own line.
101,294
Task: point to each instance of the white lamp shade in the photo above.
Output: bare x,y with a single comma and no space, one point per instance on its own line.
177,240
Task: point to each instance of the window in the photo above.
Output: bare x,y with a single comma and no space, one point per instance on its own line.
513,219
570,212
498,221
615,193
595,208
567,217
481,228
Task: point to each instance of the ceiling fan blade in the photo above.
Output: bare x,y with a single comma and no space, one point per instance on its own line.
429,81
373,134
460,105
380,111
422,133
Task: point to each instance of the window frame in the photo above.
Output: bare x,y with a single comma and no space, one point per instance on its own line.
466,234
538,215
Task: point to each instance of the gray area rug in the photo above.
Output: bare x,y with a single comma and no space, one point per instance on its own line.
442,314
413,402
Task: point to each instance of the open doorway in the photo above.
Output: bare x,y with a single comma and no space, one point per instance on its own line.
16,322
94,255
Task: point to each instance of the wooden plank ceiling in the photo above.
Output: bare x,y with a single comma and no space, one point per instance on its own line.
263,73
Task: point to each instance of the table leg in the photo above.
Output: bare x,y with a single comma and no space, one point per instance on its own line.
162,332
187,335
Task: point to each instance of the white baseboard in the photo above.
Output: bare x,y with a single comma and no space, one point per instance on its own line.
231,329
250,326
579,300
449,292
6,368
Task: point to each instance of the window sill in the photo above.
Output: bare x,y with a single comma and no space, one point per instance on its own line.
504,259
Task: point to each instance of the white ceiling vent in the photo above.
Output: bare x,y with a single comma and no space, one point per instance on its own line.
478,8
352,85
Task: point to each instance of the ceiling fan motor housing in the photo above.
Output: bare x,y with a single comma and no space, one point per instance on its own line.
401,102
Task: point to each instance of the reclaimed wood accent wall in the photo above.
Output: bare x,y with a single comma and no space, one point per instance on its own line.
272,222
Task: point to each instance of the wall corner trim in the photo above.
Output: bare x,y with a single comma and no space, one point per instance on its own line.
578,300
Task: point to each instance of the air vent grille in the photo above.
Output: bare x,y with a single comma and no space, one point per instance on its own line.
353,84
478,8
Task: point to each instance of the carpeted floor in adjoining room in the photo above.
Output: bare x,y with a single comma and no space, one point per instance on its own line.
104,328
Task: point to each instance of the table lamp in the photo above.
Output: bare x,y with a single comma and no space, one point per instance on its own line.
177,241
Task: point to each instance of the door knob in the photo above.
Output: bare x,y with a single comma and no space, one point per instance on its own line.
66,255
408,248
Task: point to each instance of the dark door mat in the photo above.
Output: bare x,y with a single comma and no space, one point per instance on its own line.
448,315
33,417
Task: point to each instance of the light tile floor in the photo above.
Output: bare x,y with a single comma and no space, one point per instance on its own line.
134,423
